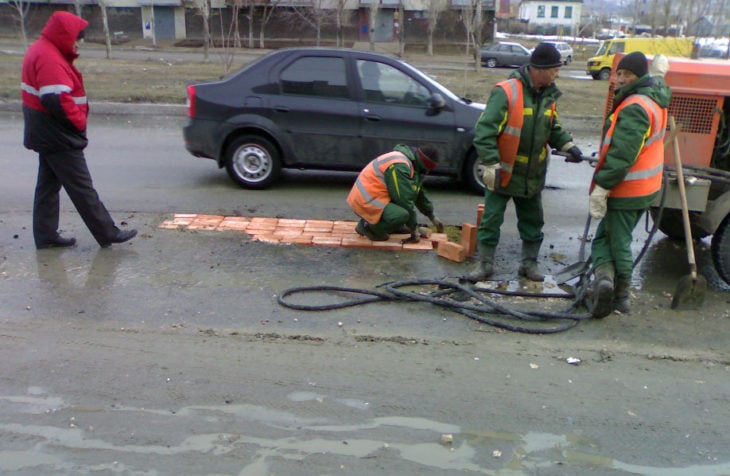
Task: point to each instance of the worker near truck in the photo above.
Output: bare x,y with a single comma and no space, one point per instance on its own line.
388,191
628,175
512,137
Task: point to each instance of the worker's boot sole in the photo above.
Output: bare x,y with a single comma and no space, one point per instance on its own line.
602,298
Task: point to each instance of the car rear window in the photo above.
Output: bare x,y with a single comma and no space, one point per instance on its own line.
315,76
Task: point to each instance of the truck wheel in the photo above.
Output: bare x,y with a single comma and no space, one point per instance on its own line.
672,226
473,174
721,250
604,74
252,162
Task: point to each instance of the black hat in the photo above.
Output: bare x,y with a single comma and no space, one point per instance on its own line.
429,156
634,62
545,56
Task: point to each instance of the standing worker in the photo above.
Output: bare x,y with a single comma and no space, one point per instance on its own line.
512,137
55,111
390,188
628,176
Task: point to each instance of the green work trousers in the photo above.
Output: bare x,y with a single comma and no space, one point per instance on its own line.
612,243
393,219
529,217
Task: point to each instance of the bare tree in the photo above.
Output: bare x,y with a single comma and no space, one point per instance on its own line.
435,9
267,11
204,9
105,27
316,15
21,7
373,7
469,17
340,20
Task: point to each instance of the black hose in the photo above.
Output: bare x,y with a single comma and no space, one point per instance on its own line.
487,311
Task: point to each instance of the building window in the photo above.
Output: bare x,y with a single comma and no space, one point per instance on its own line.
568,12
554,12
541,11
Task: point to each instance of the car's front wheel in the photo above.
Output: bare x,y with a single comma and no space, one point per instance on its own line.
473,174
253,162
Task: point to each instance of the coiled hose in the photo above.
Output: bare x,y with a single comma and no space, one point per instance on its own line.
452,296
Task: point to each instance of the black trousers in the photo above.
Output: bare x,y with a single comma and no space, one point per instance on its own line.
68,169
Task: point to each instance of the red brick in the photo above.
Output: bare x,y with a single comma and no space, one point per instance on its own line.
319,240
480,212
469,238
356,241
423,245
291,222
437,238
387,245
266,239
452,251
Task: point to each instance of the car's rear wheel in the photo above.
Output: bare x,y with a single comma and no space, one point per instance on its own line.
253,162
491,62
721,250
473,174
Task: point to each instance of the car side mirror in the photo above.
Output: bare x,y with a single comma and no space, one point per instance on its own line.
435,103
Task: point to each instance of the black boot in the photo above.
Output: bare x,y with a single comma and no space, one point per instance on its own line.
57,242
621,295
528,266
485,267
603,290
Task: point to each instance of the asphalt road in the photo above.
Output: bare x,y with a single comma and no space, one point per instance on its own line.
170,354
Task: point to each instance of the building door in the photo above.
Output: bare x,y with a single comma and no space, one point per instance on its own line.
164,23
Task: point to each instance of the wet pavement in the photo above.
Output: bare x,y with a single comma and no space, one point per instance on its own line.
171,355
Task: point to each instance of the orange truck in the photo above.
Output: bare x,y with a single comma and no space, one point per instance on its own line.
701,108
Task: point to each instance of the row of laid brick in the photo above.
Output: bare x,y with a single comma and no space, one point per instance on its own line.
322,233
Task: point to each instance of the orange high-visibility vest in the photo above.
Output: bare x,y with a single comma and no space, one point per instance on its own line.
645,175
369,196
508,141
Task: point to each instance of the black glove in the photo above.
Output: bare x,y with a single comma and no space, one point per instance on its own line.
414,238
574,155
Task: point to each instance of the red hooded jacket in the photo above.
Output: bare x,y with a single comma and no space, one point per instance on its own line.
54,101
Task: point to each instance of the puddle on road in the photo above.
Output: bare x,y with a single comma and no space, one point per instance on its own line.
301,438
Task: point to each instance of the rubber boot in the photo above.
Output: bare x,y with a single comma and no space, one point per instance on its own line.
485,267
603,290
621,296
528,266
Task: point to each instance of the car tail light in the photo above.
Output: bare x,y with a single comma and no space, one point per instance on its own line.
190,103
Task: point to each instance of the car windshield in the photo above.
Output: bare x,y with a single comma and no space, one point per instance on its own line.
432,82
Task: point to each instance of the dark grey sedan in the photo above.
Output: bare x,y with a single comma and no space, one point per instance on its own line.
327,109
505,54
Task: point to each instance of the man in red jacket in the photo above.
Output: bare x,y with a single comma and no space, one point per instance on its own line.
55,109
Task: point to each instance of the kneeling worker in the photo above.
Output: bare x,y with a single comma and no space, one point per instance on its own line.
390,188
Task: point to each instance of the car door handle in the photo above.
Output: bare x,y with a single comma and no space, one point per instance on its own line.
372,117
281,109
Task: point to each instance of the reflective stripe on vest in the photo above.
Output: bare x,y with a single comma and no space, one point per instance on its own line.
369,196
645,175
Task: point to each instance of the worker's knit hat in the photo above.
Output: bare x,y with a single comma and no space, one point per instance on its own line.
634,62
545,56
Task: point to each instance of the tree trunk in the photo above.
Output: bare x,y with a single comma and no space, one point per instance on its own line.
107,33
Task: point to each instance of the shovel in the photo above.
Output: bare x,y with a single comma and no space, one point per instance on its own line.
581,267
690,292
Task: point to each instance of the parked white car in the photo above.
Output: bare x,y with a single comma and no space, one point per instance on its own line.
566,51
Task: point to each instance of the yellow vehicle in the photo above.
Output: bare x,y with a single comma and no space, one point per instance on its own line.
599,66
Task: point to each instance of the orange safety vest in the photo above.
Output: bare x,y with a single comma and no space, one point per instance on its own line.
508,141
369,196
645,175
